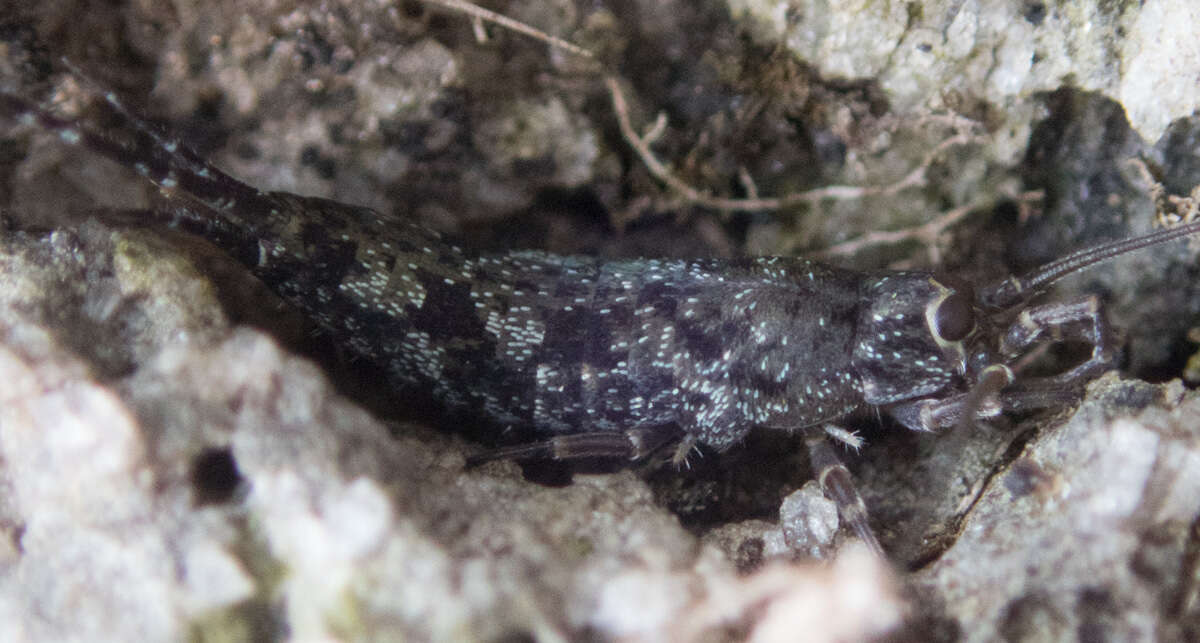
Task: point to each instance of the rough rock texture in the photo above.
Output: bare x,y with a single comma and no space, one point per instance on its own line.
1083,529
1110,497
173,464
927,53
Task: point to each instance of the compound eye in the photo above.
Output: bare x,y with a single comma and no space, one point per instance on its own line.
954,318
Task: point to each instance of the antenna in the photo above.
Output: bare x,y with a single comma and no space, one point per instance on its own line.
1012,290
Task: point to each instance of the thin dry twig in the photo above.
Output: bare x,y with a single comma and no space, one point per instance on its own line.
928,233
641,147
1169,209
501,20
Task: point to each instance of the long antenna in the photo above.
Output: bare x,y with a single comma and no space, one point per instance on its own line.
1010,291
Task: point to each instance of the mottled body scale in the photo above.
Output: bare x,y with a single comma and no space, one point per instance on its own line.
563,344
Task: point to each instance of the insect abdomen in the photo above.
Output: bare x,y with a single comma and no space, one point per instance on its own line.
568,344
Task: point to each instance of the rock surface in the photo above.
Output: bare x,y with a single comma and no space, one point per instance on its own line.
923,53
1090,531
180,459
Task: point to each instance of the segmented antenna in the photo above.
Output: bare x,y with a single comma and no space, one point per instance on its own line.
1013,290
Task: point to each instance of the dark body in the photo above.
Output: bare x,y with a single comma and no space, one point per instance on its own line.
581,345
566,344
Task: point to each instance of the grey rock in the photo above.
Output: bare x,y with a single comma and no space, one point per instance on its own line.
1003,52
170,468
809,520
1087,531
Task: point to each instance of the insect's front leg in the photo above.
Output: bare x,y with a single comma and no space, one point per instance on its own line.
1079,320
939,413
943,413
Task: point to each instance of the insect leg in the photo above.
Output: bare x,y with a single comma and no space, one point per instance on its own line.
627,445
934,414
1079,320
838,485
